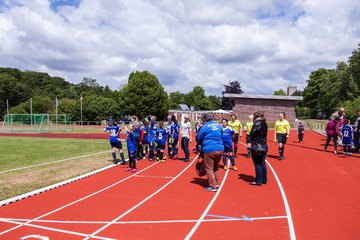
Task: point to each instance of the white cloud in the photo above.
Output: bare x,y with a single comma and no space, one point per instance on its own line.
263,44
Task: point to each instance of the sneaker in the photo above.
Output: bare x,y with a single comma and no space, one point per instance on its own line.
186,160
210,189
151,159
162,161
133,170
115,161
248,156
349,153
225,168
235,168
128,169
144,158
175,157
281,158
335,152
217,186
123,162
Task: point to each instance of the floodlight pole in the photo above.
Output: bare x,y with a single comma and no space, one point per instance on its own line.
31,111
56,103
81,115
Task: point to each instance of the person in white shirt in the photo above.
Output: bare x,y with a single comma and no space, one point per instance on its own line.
185,131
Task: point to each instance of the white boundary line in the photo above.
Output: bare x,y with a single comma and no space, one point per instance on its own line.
20,220
201,219
287,208
79,200
143,201
54,229
57,161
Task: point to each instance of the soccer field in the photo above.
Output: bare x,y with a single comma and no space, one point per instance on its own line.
30,163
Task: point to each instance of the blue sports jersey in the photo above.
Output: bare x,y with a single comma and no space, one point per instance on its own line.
161,136
175,130
152,131
347,132
131,142
136,132
114,133
228,134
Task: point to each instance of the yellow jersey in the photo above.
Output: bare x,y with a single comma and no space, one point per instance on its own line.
282,126
248,126
235,125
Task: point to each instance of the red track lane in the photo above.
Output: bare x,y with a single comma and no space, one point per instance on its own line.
321,189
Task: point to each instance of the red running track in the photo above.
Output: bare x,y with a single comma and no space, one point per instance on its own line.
166,201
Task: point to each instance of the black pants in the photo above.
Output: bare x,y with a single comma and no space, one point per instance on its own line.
356,141
328,139
300,135
185,147
260,168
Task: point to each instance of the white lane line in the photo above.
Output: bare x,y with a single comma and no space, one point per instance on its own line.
19,220
143,201
53,229
201,219
144,176
77,201
286,204
57,161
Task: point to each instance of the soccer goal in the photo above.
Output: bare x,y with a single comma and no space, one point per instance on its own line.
43,122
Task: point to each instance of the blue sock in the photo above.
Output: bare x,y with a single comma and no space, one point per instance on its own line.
122,157
224,160
114,156
232,159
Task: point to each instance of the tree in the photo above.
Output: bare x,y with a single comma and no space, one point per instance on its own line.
354,66
176,98
233,87
40,104
279,92
215,102
12,90
198,99
144,95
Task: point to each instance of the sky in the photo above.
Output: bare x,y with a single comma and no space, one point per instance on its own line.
264,44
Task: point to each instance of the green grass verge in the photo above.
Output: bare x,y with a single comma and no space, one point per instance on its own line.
19,152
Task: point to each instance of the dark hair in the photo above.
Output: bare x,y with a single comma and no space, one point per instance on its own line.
173,118
259,114
283,113
347,121
224,119
234,115
205,117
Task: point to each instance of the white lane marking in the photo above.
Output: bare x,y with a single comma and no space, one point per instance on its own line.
57,161
144,176
143,201
53,229
286,204
201,219
79,200
146,221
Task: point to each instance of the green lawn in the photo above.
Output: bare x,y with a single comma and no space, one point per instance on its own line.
19,152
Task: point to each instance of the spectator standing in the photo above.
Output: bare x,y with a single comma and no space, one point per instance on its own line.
301,131
332,132
185,130
357,132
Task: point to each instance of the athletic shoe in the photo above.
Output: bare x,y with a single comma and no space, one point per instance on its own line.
115,161
175,157
281,158
217,186
225,168
162,160
150,159
335,152
235,168
247,156
349,154
255,184
186,160
144,158
128,169
133,170
210,189
123,162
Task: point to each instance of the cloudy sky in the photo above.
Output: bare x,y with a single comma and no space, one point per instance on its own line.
264,44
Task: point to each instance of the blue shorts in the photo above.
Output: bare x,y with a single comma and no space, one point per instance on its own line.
228,149
145,141
117,145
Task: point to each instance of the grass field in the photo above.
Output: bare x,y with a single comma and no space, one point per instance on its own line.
27,164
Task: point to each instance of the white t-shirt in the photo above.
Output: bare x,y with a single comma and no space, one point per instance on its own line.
186,129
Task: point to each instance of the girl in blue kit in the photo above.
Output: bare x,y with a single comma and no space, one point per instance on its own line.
114,129
131,145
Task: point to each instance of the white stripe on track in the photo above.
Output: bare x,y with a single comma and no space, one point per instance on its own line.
286,203
54,229
201,219
143,201
19,220
77,201
47,163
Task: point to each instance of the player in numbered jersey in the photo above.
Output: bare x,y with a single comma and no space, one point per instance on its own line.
174,137
237,127
151,137
144,139
114,129
248,127
282,133
227,137
132,148
161,136
347,134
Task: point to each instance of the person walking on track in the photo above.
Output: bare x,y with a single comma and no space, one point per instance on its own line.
282,133
237,127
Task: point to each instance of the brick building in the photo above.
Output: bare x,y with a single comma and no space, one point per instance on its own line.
270,105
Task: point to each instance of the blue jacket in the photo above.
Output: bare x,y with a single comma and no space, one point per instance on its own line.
210,137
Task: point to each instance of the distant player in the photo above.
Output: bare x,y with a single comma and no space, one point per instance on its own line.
151,137
174,137
161,135
301,131
144,139
237,127
347,133
114,130
227,137
282,133
248,127
131,146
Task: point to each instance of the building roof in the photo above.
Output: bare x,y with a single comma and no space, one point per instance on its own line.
270,97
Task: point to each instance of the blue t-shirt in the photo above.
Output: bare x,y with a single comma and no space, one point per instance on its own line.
114,133
210,137
174,129
131,142
228,134
347,132
152,131
161,136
